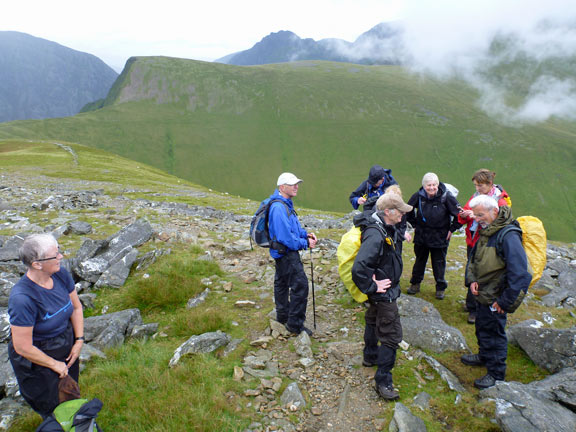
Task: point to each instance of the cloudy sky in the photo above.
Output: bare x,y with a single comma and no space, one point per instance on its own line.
441,37
114,30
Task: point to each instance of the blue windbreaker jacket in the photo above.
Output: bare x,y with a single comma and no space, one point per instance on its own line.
285,228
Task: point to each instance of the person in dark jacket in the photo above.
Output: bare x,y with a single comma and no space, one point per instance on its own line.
290,281
369,190
434,218
497,283
376,272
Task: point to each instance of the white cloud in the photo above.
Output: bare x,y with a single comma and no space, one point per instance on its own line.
455,39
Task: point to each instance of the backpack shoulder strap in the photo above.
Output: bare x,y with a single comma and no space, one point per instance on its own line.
279,200
385,235
514,226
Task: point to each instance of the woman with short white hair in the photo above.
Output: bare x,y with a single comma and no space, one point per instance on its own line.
46,323
434,218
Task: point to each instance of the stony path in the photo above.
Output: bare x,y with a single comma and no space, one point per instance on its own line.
338,388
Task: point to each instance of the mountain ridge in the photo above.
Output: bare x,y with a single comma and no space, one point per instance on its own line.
43,79
379,45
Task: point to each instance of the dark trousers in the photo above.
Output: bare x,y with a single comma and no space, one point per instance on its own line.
290,291
438,258
38,384
492,340
382,325
470,298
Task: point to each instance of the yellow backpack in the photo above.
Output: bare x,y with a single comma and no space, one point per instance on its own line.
346,253
533,241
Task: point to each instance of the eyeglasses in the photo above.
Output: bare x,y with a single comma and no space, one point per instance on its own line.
51,258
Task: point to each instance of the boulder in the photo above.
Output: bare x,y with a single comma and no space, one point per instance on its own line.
91,269
551,349
10,248
134,235
405,421
6,284
115,276
445,374
78,228
143,331
423,327
89,352
10,410
105,331
8,383
87,300
292,397
4,325
203,343
199,299
150,258
89,249
538,406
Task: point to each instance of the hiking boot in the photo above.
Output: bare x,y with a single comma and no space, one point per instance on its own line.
297,332
471,360
440,295
414,289
387,392
367,363
484,382
471,318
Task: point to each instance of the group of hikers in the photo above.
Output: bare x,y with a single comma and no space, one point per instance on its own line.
46,317
497,273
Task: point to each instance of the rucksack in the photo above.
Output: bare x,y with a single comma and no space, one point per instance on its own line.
346,253
77,415
534,242
259,232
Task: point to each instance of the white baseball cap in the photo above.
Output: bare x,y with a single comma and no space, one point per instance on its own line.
288,179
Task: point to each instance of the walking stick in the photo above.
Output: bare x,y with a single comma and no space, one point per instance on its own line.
313,295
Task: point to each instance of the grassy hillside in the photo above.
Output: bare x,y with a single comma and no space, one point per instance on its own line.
236,128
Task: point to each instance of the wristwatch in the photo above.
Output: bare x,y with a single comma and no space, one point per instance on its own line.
79,338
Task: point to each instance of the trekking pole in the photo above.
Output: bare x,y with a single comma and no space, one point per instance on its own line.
313,295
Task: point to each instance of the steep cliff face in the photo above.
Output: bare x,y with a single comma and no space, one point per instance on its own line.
42,79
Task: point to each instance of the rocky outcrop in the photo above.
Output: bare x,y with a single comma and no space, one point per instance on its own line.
423,327
547,405
106,331
551,349
203,343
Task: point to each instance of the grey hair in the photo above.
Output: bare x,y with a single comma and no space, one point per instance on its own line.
35,248
428,177
486,201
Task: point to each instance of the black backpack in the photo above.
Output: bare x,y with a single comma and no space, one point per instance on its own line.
259,232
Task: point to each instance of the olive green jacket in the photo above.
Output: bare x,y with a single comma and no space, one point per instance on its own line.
501,280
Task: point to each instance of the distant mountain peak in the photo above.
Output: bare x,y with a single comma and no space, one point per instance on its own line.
43,79
379,45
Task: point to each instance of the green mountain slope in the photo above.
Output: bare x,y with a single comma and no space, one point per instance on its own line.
236,128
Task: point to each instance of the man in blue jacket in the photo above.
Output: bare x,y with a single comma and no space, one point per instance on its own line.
499,281
290,281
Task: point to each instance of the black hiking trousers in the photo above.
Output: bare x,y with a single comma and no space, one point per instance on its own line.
492,340
38,384
291,291
382,334
438,258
